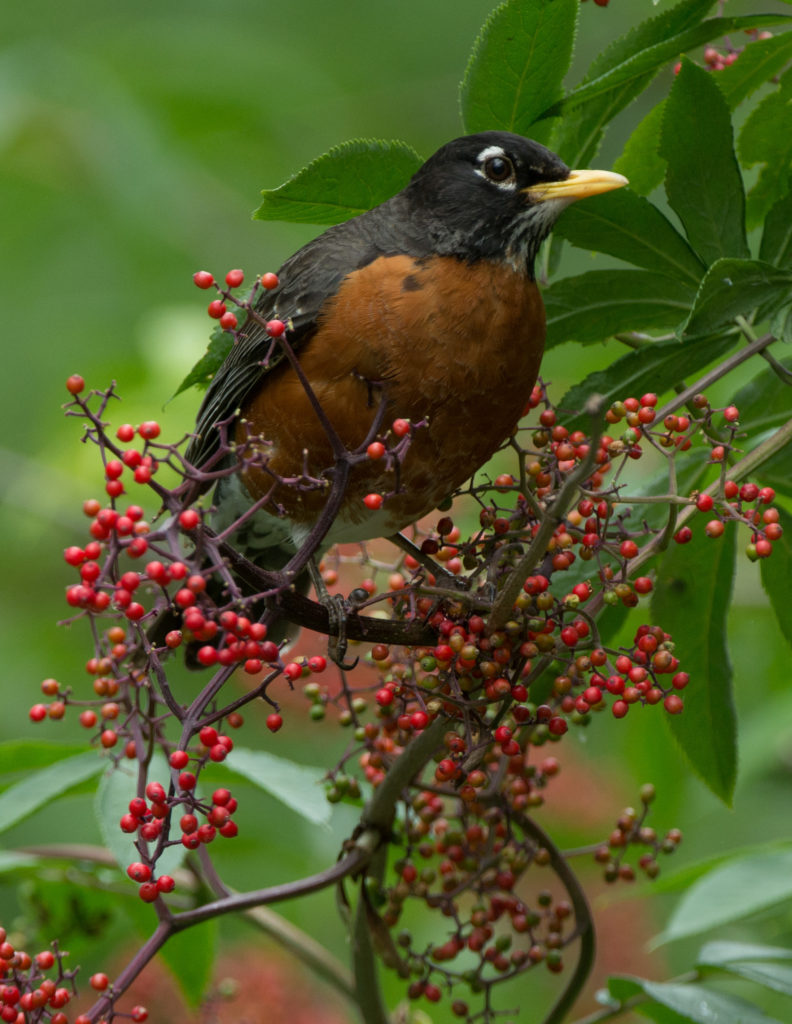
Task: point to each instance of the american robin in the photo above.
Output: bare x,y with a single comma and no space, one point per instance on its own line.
424,309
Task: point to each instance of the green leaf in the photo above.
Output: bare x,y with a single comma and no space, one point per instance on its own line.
776,246
732,891
581,131
295,785
703,180
772,976
41,787
764,401
690,601
640,160
734,288
190,957
776,572
781,322
718,954
596,305
21,756
220,344
704,1005
759,63
342,183
117,787
765,139
631,228
657,56
517,66
655,367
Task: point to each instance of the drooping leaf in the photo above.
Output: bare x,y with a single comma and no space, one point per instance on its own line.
295,785
190,957
776,572
743,885
517,66
596,305
580,132
631,228
703,180
703,1005
765,139
659,55
44,785
640,160
690,601
655,367
220,344
776,245
347,180
734,288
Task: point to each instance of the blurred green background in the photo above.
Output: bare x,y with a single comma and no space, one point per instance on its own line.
134,140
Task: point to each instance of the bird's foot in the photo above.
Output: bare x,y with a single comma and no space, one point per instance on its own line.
337,609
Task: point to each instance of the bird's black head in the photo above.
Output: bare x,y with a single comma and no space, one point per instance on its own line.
495,195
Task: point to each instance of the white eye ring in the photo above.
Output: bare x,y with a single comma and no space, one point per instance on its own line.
497,168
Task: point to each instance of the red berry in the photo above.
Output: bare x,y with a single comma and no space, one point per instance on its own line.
179,759
673,704
274,722
234,278
165,884
149,430
269,281
139,872
148,892
187,781
203,279
216,308
731,413
275,328
228,321
99,982
189,519
400,427
75,384
375,450
714,528
373,501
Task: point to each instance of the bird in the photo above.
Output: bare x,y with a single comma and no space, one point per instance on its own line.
423,309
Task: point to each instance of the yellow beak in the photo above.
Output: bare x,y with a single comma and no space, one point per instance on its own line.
578,185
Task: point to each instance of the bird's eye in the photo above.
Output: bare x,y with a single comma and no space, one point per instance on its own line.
499,169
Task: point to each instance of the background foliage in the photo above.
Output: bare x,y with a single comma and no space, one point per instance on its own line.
133,147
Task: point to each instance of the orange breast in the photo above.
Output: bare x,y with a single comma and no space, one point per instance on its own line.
455,344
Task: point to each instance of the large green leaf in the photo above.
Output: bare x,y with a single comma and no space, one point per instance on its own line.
721,953
190,958
580,132
41,787
295,785
730,892
628,226
760,60
766,139
703,180
690,601
596,305
703,1005
517,66
655,367
776,246
732,288
640,160
654,57
345,181
20,756
759,63
764,402
116,788
776,574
